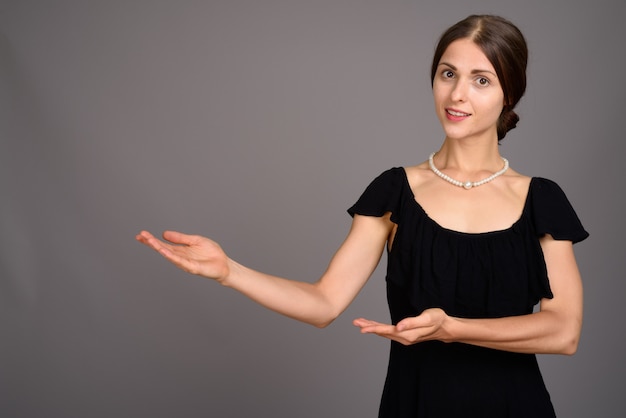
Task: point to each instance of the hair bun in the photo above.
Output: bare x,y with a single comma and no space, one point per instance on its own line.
508,120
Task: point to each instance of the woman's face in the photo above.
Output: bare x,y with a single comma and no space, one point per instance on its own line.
468,96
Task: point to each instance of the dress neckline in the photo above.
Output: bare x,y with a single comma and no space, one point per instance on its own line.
463,233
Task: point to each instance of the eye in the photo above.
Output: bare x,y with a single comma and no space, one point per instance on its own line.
482,81
447,74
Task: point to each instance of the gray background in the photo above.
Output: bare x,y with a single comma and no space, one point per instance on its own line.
258,123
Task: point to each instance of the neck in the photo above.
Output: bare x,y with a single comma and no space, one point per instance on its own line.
469,158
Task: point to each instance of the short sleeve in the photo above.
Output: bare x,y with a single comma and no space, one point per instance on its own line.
382,195
553,213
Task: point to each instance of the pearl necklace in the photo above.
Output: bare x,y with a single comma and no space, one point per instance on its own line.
468,184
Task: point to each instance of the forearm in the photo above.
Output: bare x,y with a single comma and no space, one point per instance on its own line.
321,302
542,332
554,329
302,301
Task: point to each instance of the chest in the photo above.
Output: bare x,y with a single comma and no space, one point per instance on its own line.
472,211
472,215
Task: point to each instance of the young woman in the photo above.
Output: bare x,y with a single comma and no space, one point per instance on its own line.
472,247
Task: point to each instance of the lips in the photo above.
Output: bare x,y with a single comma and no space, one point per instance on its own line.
454,115
457,113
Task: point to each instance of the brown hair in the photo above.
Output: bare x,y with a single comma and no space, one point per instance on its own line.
505,47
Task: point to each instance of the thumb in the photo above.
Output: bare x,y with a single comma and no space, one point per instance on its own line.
409,323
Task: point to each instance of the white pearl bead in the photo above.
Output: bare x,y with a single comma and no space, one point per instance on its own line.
468,184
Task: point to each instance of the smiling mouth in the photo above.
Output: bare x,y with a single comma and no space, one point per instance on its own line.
455,113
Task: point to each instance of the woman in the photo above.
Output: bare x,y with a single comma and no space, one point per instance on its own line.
472,247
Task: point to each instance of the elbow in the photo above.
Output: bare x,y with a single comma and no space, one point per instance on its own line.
563,334
324,322
326,315
329,316
322,325
569,341
570,346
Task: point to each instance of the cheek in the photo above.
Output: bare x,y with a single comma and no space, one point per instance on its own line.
439,104
438,95
493,106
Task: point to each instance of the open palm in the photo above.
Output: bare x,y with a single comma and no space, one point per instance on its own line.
192,253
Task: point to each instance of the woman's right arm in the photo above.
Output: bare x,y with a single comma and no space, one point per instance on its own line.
316,303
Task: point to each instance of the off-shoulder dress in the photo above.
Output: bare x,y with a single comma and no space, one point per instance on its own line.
470,275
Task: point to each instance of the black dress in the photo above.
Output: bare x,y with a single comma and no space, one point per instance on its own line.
469,275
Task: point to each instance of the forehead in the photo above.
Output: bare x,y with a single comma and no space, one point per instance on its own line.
464,54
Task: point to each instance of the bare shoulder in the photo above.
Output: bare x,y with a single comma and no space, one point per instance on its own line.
418,174
517,183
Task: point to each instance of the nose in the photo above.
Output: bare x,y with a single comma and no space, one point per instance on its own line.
459,91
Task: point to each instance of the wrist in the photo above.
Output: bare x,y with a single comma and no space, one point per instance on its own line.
231,272
449,328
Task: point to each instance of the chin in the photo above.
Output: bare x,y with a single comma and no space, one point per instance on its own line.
457,133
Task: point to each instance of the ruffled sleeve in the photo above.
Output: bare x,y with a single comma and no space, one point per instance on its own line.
381,196
552,212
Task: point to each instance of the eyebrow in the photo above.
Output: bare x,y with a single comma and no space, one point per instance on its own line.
476,71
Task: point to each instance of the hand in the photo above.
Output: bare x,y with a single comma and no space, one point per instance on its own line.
424,327
191,253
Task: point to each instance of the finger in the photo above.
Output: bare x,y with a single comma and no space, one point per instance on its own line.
148,239
168,251
143,236
428,318
387,331
362,322
180,238
411,323
176,255
384,330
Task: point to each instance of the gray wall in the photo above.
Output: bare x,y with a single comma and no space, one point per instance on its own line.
258,122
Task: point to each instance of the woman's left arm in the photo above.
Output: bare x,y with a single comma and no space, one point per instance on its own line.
555,328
